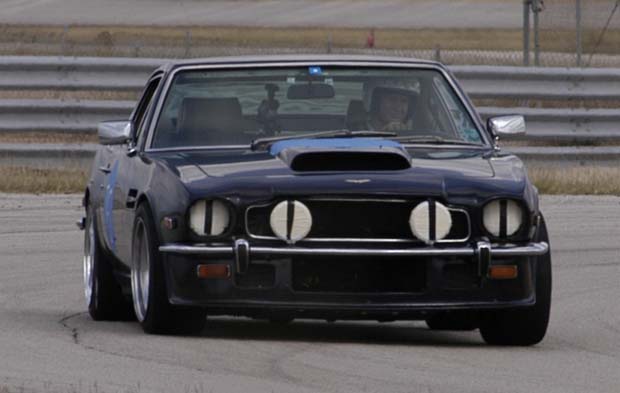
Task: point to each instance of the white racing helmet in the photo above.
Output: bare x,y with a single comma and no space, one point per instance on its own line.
407,87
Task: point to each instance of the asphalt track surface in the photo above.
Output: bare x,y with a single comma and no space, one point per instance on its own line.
274,13
49,344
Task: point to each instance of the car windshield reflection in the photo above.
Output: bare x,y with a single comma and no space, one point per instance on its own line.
259,106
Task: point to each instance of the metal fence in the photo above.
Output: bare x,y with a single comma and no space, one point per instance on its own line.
581,33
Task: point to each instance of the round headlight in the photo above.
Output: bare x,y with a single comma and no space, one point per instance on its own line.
291,221
209,218
430,221
502,218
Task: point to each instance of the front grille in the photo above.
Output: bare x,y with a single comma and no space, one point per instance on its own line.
359,274
384,220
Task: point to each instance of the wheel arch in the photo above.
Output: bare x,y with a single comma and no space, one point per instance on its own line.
144,199
86,197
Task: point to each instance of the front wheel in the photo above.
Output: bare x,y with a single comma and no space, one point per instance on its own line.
527,325
148,285
104,297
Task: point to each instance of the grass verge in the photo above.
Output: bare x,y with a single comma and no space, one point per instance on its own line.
48,137
70,94
110,36
456,39
42,181
587,180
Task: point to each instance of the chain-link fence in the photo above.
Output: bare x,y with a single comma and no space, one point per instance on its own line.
561,33
447,56
578,33
192,42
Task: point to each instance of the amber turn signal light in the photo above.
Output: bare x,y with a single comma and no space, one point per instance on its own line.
503,272
213,271
170,223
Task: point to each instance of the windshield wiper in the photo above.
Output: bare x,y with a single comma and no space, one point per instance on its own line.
434,140
323,134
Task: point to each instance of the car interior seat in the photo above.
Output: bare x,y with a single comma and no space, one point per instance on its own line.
357,117
210,121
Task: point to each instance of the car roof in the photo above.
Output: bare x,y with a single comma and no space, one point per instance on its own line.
300,58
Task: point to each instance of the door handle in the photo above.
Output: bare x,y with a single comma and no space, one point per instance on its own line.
105,169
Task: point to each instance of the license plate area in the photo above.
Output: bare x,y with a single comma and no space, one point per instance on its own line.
359,274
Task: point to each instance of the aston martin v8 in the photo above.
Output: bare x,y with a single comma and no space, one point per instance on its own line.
321,187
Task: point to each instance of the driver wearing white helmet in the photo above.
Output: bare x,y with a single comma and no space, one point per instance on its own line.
390,106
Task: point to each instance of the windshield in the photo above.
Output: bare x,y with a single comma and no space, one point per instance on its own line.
222,107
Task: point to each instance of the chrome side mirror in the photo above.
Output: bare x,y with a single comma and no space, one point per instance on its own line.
506,125
114,132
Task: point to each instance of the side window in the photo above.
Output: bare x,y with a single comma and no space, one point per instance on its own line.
442,123
459,118
144,105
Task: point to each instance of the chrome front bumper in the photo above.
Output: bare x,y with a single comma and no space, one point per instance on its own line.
483,252
243,247
225,296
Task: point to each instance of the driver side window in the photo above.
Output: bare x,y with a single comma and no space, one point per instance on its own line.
143,107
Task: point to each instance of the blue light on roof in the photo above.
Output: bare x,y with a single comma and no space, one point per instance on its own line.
315,70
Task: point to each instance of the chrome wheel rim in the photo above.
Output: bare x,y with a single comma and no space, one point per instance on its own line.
89,257
140,270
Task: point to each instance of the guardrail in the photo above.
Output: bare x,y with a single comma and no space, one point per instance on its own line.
81,155
545,83
567,86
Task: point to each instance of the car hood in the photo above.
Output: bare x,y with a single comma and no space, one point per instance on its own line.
452,174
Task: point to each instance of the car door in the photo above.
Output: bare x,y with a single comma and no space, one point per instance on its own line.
131,174
103,181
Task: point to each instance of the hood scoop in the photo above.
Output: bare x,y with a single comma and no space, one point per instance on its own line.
348,161
342,154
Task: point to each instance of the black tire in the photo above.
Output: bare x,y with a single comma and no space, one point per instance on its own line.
155,314
526,325
453,320
104,296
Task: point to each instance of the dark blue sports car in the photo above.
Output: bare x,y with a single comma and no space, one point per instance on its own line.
314,187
